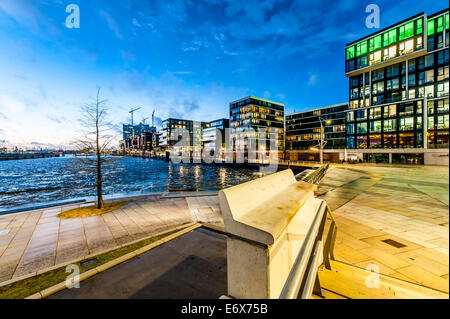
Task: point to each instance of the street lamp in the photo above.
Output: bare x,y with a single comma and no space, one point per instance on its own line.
323,142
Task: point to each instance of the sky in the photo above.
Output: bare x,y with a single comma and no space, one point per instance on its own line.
185,59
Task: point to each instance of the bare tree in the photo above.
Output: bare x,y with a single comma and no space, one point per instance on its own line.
95,137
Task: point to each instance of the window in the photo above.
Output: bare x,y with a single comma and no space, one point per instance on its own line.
405,109
361,142
392,51
361,48
350,52
430,123
419,43
390,110
375,140
409,29
350,142
442,122
350,116
429,76
350,129
429,60
375,57
406,47
389,125
361,115
375,113
440,24
390,140
406,140
430,107
429,91
411,80
418,122
443,73
375,43
361,128
419,24
390,37
442,106
430,27
406,124
375,126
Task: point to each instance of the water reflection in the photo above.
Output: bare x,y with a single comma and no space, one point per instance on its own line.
50,179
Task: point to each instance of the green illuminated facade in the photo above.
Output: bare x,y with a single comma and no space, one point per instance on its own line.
399,86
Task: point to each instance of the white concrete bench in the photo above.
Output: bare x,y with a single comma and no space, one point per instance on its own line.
275,228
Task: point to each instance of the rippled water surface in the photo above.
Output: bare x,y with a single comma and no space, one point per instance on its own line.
43,180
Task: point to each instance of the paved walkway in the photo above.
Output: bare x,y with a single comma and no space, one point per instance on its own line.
194,267
394,218
32,241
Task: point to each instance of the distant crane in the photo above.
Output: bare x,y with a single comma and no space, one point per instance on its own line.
153,118
132,112
144,119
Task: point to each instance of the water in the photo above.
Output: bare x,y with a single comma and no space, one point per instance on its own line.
37,181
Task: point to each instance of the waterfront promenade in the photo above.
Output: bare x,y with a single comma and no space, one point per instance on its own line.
393,217
36,240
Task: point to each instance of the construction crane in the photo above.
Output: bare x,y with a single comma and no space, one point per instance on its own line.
132,112
144,119
153,118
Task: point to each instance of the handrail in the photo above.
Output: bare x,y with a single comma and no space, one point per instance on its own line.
295,279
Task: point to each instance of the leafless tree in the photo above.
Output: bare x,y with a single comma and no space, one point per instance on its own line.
95,137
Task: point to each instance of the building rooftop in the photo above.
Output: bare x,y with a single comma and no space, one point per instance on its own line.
319,108
256,98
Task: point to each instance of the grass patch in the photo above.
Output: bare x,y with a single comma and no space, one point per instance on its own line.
89,211
30,286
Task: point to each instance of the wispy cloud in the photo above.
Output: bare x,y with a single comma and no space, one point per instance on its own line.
112,24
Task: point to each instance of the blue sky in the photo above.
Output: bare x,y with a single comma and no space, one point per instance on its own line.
184,58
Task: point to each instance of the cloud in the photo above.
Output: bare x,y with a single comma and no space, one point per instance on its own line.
136,23
112,24
181,72
312,80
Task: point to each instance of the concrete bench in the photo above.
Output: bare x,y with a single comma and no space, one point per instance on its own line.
274,245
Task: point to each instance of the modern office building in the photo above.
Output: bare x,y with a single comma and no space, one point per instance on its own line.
172,131
303,133
253,123
132,130
214,137
399,92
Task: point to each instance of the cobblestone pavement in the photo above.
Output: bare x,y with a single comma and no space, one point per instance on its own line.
393,217
36,240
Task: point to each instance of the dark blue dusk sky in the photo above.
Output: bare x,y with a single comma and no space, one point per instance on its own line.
186,59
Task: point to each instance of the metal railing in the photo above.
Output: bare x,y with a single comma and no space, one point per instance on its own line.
317,175
303,279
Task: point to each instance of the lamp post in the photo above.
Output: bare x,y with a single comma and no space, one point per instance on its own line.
323,142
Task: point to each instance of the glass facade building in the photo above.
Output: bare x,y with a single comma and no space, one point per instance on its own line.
399,86
172,131
214,136
254,122
303,130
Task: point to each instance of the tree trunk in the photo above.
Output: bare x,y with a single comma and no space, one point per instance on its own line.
99,163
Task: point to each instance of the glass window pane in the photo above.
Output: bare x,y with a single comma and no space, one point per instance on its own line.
430,27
